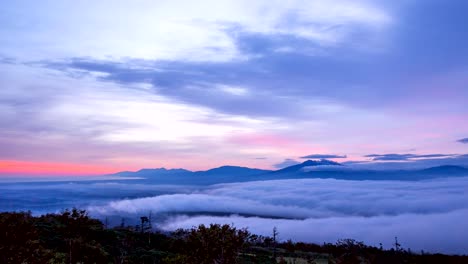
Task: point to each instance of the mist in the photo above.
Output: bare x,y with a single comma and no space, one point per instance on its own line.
424,215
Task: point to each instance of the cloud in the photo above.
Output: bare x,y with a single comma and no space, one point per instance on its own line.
310,198
463,140
404,157
6,60
41,192
202,32
324,156
410,164
318,210
216,86
197,203
417,232
286,163
105,123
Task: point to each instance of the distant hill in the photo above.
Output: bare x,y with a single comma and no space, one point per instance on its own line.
181,176
232,171
445,169
153,172
400,175
229,174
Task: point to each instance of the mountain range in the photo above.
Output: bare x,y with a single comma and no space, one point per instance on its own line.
313,169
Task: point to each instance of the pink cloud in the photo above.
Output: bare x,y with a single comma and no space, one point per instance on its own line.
276,144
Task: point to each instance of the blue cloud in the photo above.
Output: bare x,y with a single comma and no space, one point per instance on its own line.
463,140
282,68
7,60
397,157
432,35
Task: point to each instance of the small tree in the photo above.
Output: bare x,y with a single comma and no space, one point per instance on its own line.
275,235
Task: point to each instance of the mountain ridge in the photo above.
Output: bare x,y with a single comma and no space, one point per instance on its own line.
230,173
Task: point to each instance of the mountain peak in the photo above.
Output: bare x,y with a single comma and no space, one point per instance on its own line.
319,162
308,163
152,170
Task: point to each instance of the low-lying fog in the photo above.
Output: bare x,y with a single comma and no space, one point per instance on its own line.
424,215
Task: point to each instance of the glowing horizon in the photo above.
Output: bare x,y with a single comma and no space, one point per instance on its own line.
28,168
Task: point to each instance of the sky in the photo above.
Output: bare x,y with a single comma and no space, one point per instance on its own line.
92,87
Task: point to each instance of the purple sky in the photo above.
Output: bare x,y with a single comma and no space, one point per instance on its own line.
90,87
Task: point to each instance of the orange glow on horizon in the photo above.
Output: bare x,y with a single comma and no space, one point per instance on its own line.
50,168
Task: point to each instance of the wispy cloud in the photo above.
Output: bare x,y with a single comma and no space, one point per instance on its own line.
210,26
324,156
463,140
396,157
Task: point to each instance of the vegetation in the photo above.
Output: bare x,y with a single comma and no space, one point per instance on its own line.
74,237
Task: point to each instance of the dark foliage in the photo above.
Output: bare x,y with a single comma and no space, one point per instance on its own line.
74,237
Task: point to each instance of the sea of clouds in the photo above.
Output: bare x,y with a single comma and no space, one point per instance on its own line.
424,215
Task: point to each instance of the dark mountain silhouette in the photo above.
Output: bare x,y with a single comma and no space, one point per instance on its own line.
232,171
153,172
448,169
221,174
229,174
220,171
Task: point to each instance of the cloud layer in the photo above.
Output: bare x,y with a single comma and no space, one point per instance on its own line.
434,233
321,210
